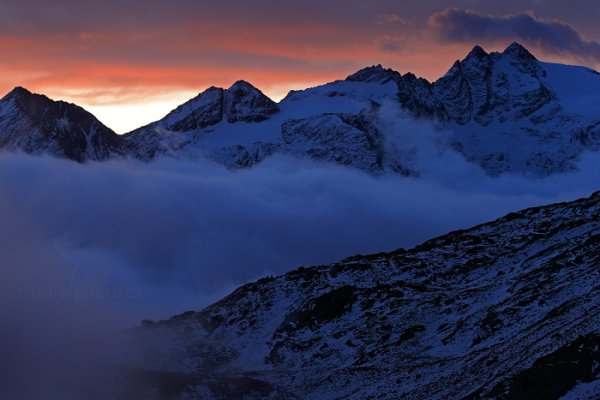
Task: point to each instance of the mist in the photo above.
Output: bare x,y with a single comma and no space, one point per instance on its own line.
160,238
152,240
91,249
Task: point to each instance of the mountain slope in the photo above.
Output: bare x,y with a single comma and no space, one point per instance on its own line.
507,309
35,124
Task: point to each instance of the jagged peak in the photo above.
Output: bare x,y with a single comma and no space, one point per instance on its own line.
26,98
210,92
244,85
517,50
240,85
19,92
373,73
212,89
410,77
30,102
69,131
477,52
244,102
207,93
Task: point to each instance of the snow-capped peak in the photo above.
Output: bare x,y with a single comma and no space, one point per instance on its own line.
244,102
375,73
517,50
18,91
477,52
203,110
37,124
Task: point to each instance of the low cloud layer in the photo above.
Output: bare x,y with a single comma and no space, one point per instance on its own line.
154,239
552,36
90,249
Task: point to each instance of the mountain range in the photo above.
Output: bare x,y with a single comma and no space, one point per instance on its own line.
506,112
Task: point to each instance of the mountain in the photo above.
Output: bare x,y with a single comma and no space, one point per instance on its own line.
510,112
504,111
509,310
242,102
34,124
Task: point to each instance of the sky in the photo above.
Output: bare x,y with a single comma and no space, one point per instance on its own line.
131,62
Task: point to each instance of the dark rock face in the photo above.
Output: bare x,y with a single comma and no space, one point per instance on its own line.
204,110
35,124
238,156
554,375
341,138
507,309
416,96
244,102
455,94
480,88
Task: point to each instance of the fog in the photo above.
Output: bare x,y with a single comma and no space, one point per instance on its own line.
88,250
152,240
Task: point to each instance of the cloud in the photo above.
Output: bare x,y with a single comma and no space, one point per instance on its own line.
552,36
394,19
156,239
391,44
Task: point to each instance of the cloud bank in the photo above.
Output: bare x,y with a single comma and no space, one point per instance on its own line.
91,249
552,36
153,240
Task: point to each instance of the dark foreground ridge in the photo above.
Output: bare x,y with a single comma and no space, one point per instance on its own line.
509,310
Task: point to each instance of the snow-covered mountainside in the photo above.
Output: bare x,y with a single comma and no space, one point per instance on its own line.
507,112
180,129
510,112
34,124
507,309
504,111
